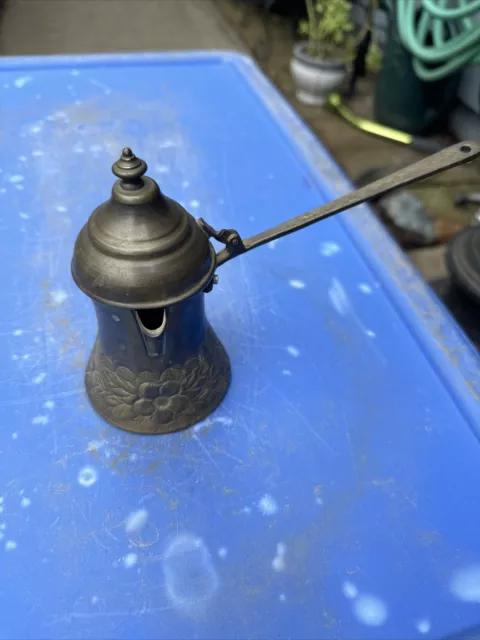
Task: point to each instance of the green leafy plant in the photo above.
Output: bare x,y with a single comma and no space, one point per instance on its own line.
331,33
329,29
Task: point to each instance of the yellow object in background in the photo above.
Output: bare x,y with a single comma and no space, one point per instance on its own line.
422,144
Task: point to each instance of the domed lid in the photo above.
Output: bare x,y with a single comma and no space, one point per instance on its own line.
141,249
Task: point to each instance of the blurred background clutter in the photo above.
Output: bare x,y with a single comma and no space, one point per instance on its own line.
382,83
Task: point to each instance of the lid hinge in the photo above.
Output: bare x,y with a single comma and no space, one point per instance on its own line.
229,237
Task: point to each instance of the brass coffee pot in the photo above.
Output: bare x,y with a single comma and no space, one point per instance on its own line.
157,365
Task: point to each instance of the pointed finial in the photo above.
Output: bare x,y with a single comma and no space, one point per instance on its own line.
129,169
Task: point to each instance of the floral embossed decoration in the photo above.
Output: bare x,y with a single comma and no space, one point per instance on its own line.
183,391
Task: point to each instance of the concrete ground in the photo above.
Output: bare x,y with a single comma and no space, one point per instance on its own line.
83,26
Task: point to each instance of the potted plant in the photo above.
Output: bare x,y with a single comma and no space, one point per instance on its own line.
319,63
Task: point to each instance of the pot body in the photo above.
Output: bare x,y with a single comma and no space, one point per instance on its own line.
156,379
315,78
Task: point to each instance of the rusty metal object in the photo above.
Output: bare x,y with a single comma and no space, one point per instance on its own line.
157,365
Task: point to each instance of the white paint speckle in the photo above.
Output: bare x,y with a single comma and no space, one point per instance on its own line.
365,288
329,249
25,502
2,499
349,590
22,158
370,333
370,610
14,357
49,404
14,435
58,297
136,520
268,505
36,128
26,356
130,560
115,318
185,184
282,597
75,72
167,144
222,553
194,204
20,187
10,545
465,584
297,284
278,563
18,332
286,372
162,168
43,420
95,148
423,626
16,179
37,153
3,526
247,510
87,476
78,149
61,209
40,378
94,599
23,215
319,501
338,297
21,81
190,577
293,351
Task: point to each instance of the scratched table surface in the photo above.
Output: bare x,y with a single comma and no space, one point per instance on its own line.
333,494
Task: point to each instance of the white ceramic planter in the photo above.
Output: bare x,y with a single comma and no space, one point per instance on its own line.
315,78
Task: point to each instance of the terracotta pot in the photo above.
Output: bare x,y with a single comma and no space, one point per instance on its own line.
315,78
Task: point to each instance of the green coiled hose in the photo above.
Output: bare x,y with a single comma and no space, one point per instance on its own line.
453,33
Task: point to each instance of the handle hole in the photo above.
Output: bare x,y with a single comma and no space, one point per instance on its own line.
465,148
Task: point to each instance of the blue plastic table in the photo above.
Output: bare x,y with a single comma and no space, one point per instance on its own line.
334,493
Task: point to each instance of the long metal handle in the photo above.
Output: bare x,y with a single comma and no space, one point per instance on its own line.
436,163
